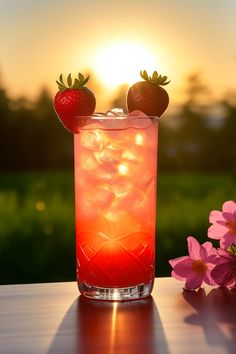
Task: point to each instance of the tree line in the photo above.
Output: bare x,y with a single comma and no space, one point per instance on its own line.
31,137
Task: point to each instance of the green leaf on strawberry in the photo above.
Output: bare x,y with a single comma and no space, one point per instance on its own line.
70,84
81,77
69,80
157,79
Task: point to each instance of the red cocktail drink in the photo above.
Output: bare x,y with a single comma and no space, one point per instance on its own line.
115,199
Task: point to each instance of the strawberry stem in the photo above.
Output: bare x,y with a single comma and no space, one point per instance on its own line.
155,78
78,83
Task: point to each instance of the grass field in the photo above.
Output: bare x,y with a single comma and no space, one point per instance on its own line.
37,235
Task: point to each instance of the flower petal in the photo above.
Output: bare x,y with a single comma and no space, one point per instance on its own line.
215,216
211,251
229,216
225,255
216,231
175,261
227,240
232,237
208,278
212,260
222,274
229,207
232,285
193,281
208,246
183,268
203,253
176,276
193,247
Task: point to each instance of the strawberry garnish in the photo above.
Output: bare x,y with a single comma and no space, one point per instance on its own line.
72,100
148,96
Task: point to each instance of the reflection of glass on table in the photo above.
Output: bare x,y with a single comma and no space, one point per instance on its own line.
103,327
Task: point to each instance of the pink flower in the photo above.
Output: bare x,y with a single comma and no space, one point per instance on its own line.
224,274
195,268
224,224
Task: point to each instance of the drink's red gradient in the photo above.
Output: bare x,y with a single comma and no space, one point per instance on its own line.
115,203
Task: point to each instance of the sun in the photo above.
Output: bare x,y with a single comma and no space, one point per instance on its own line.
121,63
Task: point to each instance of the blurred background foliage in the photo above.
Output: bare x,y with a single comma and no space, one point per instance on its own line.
197,173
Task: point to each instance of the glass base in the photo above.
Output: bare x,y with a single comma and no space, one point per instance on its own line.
116,294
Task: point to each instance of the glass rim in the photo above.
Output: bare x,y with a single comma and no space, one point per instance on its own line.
97,121
98,116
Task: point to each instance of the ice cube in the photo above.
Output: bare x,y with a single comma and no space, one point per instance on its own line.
90,201
141,206
134,137
143,179
137,113
132,199
88,161
105,171
109,155
86,210
126,168
115,212
92,140
84,179
117,111
132,153
139,138
100,197
115,123
114,145
129,155
121,187
139,120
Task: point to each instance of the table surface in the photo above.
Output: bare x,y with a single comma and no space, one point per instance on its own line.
54,318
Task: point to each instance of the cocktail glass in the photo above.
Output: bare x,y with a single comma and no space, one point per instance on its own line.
115,206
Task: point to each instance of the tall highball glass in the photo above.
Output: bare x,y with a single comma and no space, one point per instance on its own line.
115,163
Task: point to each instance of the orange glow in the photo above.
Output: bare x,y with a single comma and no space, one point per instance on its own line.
121,62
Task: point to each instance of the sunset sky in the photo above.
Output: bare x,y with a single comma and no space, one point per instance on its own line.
41,39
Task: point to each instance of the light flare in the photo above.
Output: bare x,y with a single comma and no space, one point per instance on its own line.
120,63
139,139
123,169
